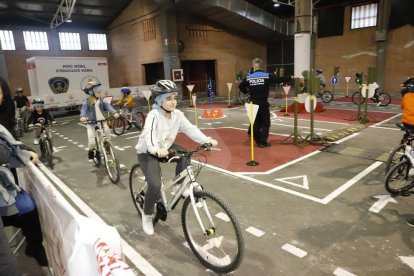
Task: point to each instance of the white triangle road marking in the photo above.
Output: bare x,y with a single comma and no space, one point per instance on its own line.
304,185
409,260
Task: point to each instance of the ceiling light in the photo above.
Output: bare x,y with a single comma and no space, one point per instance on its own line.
69,20
276,5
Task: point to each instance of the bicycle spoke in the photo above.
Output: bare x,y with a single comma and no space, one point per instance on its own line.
219,245
399,179
137,188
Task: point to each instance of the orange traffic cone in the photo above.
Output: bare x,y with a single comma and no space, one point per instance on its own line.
212,114
205,114
219,113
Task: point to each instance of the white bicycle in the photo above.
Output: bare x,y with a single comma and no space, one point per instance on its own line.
210,227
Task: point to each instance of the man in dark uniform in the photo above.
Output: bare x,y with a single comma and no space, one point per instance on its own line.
258,84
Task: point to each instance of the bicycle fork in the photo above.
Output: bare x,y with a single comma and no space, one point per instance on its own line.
211,230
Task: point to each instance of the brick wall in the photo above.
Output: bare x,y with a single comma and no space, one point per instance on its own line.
355,51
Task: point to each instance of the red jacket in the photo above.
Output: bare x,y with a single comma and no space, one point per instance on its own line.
407,105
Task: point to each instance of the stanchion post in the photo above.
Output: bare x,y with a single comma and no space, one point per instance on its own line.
347,79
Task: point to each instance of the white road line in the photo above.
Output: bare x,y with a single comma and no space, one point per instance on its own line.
142,264
132,137
255,232
350,182
294,250
390,128
316,128
223,216
342,272
328,122
346,138
389,119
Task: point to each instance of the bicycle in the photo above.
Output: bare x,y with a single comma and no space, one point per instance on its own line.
400,178
380,98
119,125
210,227
397,153
326,96
46,143
104,145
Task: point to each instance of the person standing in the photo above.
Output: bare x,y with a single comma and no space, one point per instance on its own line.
258,84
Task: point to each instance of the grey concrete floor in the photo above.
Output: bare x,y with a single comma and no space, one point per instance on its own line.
319,206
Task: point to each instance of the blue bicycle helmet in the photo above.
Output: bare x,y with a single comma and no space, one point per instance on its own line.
125,90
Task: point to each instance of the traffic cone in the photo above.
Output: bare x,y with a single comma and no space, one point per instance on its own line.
205,114
219,113
212,114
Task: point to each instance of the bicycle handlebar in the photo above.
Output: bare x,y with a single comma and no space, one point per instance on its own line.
174,154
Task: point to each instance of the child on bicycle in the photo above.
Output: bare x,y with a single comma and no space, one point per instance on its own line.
126,101
93,108
39,116
162,125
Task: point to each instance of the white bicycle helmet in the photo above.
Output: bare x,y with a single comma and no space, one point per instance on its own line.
163,87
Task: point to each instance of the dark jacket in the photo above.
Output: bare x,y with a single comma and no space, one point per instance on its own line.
258,84
43,118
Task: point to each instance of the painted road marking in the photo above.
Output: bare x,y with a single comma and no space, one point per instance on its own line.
255,232
342,272
382,201
294,250
408,260
304,183
142,264
223,216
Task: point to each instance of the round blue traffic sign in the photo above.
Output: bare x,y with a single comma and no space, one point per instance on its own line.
334,80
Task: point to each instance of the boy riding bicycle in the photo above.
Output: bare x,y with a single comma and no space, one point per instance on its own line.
163,124
39,116
128,102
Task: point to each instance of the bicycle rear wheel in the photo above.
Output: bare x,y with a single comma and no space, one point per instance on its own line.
384,99
327,96
137,188
398,180
220,246
111,162
396,156
119,125
357,98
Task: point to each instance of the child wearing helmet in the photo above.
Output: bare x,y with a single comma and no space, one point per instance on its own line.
321,77
39,116
126,101
93,108
162,125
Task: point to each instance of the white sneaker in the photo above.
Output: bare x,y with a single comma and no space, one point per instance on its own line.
36,141
378,104
147,224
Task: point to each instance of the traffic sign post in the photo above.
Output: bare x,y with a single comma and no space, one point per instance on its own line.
347,79
334,81
229,85
286,90
147,95
190,88
194,98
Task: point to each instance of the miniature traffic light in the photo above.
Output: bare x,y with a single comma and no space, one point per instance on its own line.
336,71
358,78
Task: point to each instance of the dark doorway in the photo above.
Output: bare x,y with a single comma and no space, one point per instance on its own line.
198,72
153,72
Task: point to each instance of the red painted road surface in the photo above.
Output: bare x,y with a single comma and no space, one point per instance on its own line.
235,150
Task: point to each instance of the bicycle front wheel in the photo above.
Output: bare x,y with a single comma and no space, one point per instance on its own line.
396,156
139,120
119,125
357,98
384,99
111,162
48,152
327,96
220,245
137,188
398,180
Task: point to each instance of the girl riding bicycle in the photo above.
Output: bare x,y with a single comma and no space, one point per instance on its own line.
161,128
126,101
93,108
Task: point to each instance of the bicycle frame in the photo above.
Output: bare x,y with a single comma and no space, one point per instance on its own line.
100,137
190,184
